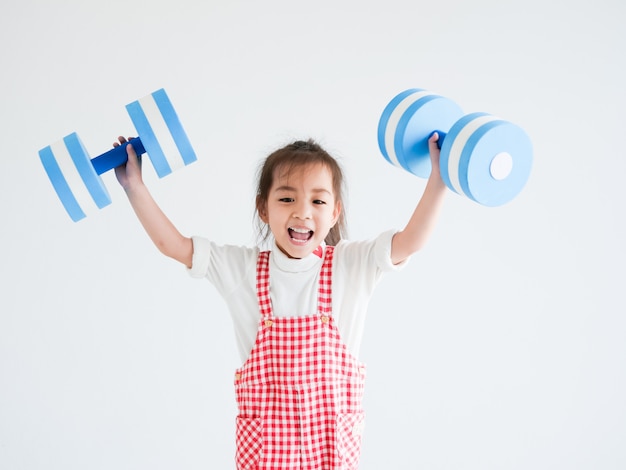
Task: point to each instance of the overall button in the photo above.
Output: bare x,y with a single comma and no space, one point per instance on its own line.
325,318
268,323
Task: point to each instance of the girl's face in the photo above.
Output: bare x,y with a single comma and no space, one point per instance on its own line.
301,209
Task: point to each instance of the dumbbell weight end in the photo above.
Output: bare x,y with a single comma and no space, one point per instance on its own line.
116,156
407,123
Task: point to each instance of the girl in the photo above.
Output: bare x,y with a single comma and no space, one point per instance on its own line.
299,308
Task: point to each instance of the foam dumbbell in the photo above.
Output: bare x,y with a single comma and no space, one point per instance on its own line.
482,157
76,178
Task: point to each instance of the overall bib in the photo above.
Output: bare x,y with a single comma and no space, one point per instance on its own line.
299,393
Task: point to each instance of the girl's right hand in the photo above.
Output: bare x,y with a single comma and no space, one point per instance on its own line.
128,174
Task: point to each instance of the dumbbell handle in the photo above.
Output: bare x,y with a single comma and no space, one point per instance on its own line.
442,135
116,156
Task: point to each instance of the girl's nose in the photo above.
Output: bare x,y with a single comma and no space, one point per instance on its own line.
302,211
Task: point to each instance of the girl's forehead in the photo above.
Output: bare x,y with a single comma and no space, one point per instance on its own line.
289,171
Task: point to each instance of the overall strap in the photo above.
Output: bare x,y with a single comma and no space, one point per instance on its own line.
324,298
263,284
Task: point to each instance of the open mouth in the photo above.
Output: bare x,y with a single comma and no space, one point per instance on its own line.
300,234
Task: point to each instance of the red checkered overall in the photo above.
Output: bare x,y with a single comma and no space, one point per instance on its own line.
300,391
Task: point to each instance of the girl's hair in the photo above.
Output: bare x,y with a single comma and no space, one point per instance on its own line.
293,156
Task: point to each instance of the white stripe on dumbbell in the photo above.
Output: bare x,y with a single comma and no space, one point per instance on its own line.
72,177
394,119
161,132
457,148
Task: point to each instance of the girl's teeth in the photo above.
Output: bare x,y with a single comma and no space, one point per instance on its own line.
300,234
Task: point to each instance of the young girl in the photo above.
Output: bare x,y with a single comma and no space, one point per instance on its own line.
299,308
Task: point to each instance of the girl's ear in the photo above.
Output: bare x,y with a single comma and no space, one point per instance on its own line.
261,208
336,212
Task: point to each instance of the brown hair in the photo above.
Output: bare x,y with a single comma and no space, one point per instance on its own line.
295,155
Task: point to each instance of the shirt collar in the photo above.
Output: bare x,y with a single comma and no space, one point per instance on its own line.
284,263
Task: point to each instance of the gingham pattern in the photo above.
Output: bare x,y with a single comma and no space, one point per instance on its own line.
299,393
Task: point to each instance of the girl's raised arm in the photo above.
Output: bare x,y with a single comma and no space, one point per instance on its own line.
422,222
159,228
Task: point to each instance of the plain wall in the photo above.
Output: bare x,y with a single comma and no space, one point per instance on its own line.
500,346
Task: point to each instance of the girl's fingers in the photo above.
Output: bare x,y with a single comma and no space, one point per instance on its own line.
120,140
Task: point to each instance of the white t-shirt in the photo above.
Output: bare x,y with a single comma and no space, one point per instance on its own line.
357,268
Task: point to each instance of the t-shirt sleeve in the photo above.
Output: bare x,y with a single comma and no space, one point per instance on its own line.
360,264
201,257
382,252
225,266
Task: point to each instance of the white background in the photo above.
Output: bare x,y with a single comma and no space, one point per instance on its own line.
500,346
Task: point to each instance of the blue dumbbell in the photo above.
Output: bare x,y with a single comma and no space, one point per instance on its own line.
76,177
482,157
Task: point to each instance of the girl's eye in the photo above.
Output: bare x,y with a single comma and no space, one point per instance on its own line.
286,199
318,201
